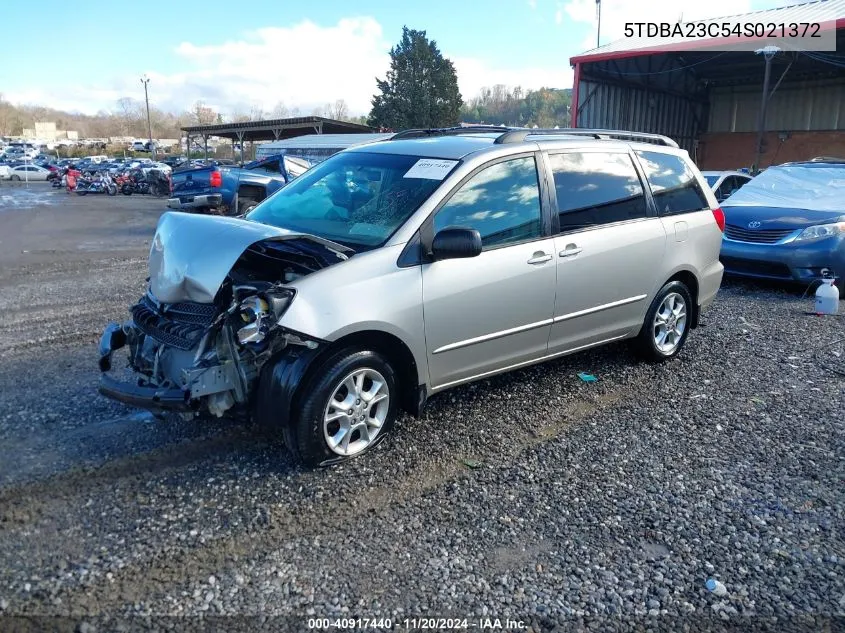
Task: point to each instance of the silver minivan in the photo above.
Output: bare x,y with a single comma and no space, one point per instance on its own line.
395,270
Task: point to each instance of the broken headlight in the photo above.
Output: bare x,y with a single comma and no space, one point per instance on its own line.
259,313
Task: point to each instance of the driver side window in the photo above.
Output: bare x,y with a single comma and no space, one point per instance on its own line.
501,201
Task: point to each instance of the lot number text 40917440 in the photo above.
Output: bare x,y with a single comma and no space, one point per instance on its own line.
417,624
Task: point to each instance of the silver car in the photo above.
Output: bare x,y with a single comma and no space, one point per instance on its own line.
396,270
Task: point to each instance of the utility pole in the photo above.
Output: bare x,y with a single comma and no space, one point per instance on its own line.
598,19
768,53
145,80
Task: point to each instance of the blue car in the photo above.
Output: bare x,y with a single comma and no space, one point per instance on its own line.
788,224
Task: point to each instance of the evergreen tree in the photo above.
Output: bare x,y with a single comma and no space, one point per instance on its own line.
420,89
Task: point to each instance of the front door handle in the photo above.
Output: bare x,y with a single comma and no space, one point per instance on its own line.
570,251
540,258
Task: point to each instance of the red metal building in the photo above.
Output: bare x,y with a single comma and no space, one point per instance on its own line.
709,99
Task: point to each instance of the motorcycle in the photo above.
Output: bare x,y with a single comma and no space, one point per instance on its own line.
60,181
154,182
98,184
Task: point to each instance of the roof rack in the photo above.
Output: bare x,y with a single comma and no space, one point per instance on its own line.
520,134
448,131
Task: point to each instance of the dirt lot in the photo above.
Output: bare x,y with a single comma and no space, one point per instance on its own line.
533,496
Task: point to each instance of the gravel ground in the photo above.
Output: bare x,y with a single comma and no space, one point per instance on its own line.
532,496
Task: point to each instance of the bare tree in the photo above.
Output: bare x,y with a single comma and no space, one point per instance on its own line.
203,115
6,112
129,114
279,111
256,113
338,110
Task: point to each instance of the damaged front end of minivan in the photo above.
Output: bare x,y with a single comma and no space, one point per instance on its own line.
210,319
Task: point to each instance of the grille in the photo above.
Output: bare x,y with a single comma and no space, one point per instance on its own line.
757,236
755,267
180,325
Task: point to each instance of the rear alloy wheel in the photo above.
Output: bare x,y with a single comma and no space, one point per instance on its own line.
347,408
666,324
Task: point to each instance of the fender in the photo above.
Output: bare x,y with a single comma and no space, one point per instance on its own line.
277,385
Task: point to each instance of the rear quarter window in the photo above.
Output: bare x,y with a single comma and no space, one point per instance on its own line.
673,183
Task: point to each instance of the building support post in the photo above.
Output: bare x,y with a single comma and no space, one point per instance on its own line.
205,144
768,52
241,141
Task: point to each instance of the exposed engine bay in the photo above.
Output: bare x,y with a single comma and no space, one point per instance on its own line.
192,355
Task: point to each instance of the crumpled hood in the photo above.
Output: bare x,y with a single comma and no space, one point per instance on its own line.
191,254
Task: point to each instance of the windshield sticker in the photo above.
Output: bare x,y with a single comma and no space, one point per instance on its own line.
431,169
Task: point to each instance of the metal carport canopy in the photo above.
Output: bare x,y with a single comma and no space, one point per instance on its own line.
275,129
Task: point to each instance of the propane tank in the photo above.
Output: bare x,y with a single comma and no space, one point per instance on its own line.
827,298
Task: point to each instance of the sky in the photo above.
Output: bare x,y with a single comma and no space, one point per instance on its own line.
235,56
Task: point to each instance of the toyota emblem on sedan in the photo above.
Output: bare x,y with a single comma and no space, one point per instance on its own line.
754,225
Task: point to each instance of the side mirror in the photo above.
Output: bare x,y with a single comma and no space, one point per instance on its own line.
456,243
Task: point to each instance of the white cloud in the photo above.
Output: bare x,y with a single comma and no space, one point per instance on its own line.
532,4
615,13
304,65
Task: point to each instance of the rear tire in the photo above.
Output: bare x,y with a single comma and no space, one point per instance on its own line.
246,205
352,380
667,323
81,193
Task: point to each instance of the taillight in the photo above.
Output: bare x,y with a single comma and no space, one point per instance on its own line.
217,179
719,216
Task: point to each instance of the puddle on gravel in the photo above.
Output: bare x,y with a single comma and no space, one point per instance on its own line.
23,197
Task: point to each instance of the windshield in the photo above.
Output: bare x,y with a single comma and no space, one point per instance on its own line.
354,198
711,180
810,186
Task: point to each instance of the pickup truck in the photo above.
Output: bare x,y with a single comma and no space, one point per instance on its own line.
225,190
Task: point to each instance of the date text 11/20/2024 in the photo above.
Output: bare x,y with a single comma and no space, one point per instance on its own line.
418,624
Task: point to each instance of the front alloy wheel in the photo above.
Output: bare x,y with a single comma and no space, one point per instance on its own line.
356,412
345,408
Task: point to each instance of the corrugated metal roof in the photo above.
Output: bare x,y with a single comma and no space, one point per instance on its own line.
791,13
216,128
312,141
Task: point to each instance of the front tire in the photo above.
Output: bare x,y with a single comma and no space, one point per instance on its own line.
667,323
346,409
15,177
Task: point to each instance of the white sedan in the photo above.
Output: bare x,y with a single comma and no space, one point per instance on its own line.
28,172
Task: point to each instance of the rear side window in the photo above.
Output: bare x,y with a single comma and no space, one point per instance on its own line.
673,183
595,188
501,201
